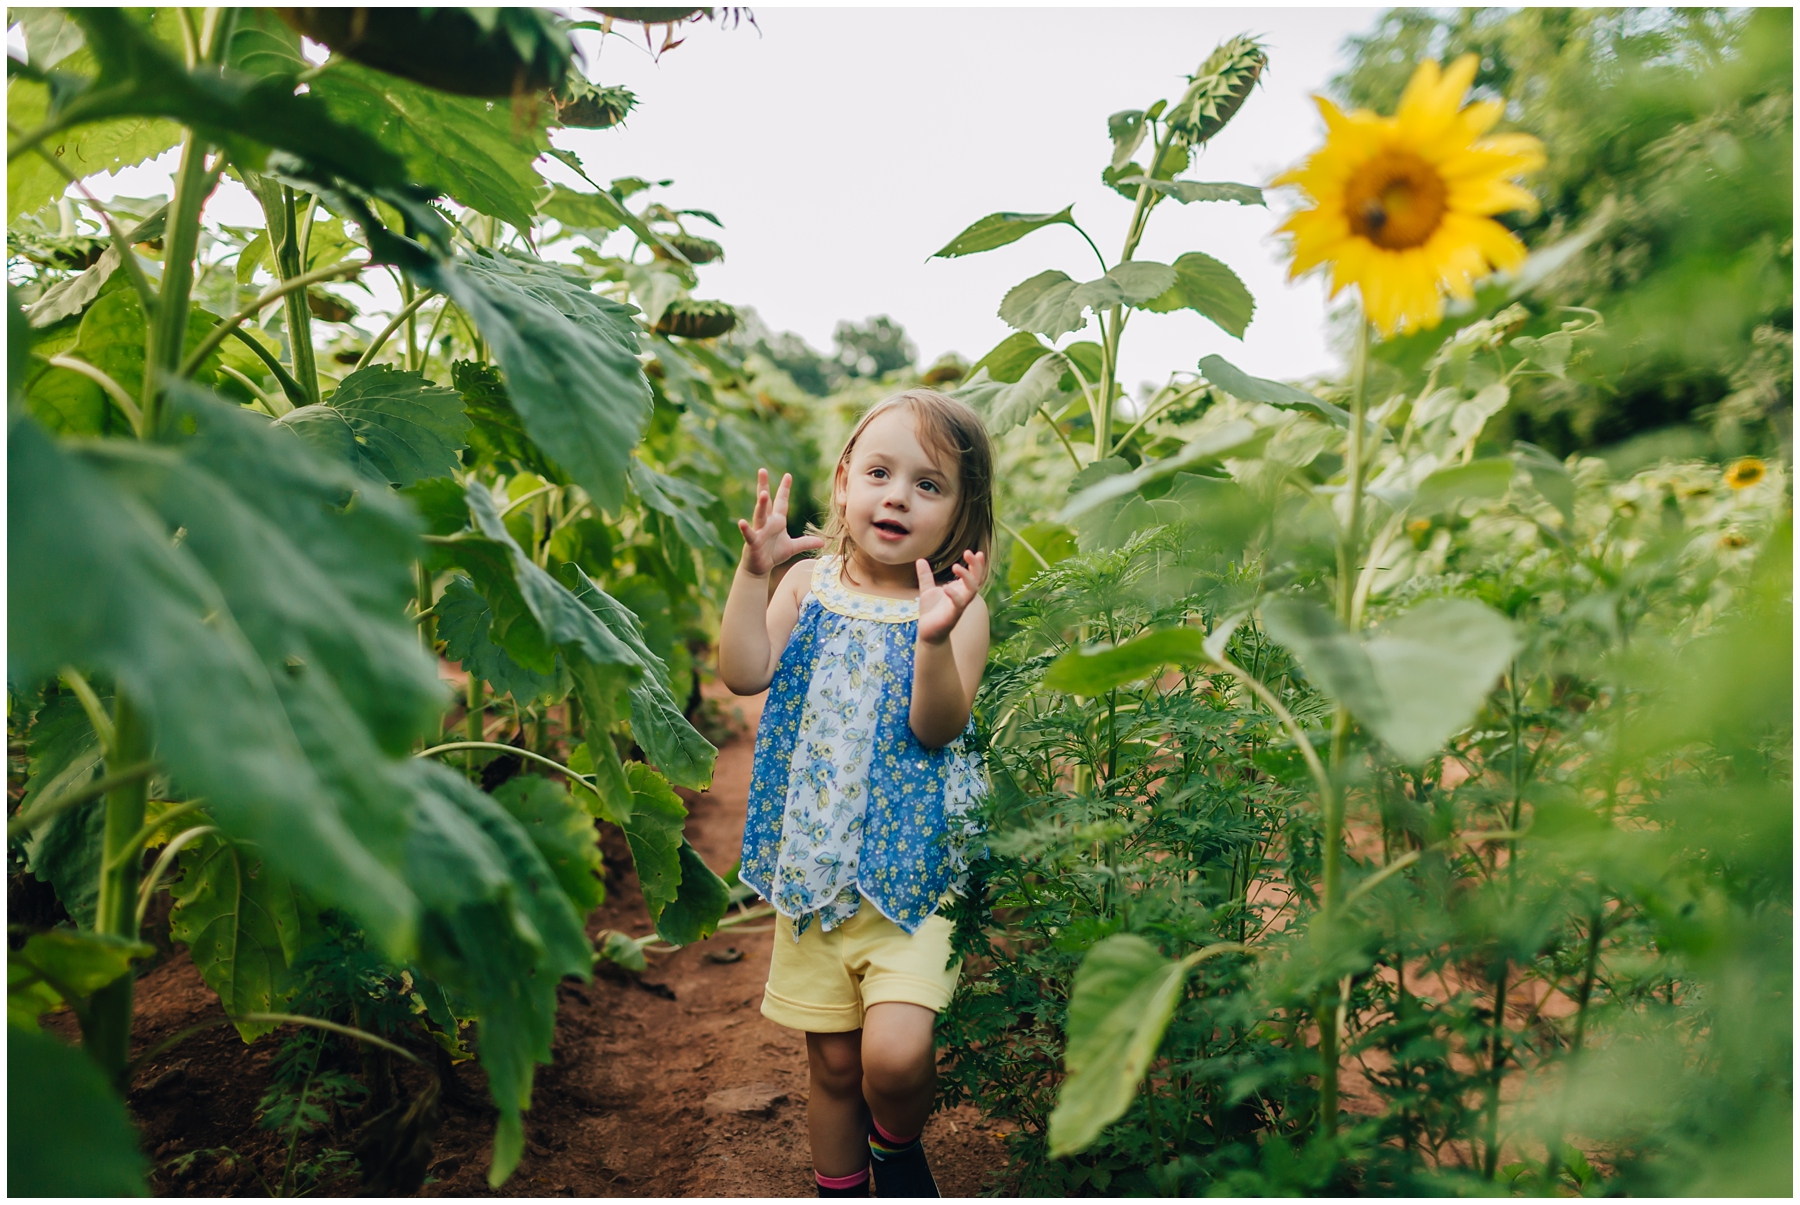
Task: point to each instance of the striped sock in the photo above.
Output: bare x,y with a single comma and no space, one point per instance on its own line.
899,1165
856,1184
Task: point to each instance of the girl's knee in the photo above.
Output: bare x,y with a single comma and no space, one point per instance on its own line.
896,1070
836,1063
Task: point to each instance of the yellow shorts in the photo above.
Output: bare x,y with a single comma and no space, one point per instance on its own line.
823,982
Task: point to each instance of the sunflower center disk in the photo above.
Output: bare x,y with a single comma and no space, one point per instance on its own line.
1396,201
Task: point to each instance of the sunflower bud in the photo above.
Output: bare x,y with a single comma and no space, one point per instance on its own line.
1217,90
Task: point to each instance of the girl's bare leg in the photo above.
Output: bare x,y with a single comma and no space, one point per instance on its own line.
837,1120
899,1066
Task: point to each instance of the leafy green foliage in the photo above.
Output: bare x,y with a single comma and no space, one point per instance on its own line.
1210,289
479,152
464,620
1421,677
564,834
110,336
391,426
570,364
702,899
97,582
1086,672
53,40
684,756
255,592
65,850
1188,191
137,77
241,923
654,834
66,1129
1005,406
499,934
1000,229
1051,304
1124,995
61,966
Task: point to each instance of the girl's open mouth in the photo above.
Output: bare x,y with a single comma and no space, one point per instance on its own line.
890,529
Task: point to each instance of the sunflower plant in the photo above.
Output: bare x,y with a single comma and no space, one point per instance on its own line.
249,539
1454,672
1073,385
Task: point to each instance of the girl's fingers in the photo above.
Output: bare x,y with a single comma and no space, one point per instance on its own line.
808,543
781,494
926,581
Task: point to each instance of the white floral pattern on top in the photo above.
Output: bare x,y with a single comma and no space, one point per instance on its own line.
845,803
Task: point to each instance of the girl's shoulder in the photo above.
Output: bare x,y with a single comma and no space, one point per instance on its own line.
799,580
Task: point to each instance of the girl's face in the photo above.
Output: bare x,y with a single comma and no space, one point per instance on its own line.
898,499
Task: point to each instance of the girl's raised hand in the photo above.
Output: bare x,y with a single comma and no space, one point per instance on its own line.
941,606
766,540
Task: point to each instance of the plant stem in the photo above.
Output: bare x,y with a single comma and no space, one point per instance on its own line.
1496,1059
107,1036
472,719
290,259
404,316
168,329
1112,323
1331,887
1350,543
428,626
296,396
23,822
287,288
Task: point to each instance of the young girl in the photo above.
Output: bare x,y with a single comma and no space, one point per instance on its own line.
864,781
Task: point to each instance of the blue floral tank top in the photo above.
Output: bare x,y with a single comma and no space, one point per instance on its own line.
845,803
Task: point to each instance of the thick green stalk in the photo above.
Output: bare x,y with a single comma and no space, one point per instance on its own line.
108,1033
290,259
472,727
412,327
168,329
1112,323
427,622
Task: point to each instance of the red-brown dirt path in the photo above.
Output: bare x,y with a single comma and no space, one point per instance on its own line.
623,1109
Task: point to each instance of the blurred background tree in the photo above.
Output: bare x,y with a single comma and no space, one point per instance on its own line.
1670,140
866,350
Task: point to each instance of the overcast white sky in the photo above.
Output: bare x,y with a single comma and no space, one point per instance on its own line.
841,147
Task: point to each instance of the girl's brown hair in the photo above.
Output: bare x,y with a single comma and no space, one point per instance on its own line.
950,429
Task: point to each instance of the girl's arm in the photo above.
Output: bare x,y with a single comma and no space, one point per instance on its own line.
951,652
755,627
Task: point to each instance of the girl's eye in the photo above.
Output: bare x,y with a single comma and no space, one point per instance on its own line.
929,487
878,474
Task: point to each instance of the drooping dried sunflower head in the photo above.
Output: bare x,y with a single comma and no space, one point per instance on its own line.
1217,90
583,106
693,319
697,250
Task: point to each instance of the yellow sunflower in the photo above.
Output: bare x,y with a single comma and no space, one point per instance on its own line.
1745,473
1404,205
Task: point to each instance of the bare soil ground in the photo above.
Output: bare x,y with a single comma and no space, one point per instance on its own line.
622,1112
